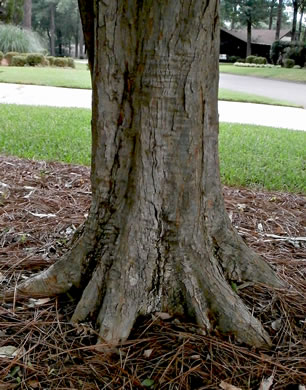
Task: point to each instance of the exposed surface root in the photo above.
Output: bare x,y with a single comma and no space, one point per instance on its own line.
51,353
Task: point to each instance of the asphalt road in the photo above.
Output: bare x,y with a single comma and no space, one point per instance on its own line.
275,89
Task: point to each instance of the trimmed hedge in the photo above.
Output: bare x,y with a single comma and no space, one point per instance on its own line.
71,63
34,59
288,63
250,59
19,61
9,55
62,62
51,60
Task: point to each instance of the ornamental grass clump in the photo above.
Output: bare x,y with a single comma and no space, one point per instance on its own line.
14,38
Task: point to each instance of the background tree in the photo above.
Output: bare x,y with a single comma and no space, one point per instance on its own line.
295,6
157,237
249,13
229,13
272,12
301,11
252,13
12,11
27,14
279,19
60,20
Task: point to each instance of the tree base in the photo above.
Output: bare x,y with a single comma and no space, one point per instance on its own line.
186,282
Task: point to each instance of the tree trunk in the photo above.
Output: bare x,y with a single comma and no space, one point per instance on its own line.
279,19
249,38
271,14
52,29
301,21
294,20
157,237
27,14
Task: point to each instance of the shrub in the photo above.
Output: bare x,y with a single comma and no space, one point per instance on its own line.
19,61
288,63
14,38
9,55
250,59
293,50
61,62
51,60
71,63
297,67
1,56
34,59
233,59
260,60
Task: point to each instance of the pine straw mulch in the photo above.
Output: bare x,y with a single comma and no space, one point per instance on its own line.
41,206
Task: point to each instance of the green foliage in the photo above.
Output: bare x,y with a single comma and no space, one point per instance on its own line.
34,59
13,38
51,60
13,11
288,63
233,59
250,59
19,61
61,62
260,60
281,50
1,56
71,63
256,60
66,22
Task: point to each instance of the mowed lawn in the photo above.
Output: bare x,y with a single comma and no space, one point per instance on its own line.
297,75
50,76
80,78
250,156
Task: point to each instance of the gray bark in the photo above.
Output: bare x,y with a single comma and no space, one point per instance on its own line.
157,237
52,29
279,19
27,14
249,38
294,19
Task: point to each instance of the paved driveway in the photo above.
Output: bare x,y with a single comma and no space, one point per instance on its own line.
275,89
260,114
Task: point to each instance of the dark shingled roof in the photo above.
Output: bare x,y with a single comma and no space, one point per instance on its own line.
260,37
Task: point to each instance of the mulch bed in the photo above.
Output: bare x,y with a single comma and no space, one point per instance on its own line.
42,204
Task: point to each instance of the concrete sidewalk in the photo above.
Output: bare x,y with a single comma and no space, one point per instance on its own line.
248,113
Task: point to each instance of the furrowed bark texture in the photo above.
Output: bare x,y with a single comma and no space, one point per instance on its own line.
157,237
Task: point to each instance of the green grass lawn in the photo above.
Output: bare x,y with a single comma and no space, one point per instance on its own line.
298,75
54,77
236,96
80,78
250,156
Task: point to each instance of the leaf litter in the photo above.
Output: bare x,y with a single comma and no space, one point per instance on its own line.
162,352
